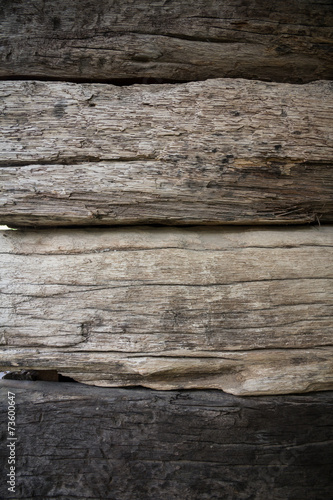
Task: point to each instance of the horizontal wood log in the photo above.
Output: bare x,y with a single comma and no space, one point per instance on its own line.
179,40
137,444
221,151
248,311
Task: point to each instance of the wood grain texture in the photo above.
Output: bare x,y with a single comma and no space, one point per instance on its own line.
138,444
220,151
175,39
248,311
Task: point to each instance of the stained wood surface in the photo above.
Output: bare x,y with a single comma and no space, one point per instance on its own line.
220,151
248,311
178,40
137,444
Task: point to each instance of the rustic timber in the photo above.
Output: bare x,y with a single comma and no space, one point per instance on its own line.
139,444
167,39
220,151
245,310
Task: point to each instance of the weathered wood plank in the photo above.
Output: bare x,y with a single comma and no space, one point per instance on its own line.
220,151
179,40
248,311
135,444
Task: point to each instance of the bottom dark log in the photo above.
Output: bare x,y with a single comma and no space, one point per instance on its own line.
83,442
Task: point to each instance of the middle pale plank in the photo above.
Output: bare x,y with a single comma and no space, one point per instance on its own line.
171,297
219,151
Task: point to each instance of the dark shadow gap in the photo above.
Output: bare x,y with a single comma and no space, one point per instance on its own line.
39,375
119,82
316,222
124,82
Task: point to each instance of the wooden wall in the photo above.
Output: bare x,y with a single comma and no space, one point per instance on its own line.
167,167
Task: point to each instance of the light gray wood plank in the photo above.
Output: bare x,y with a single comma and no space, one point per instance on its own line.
248,311
220,151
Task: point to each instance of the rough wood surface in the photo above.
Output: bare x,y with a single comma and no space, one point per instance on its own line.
220,151
174,39
248,311
138,444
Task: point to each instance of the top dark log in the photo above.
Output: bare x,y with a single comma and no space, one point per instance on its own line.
171,40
